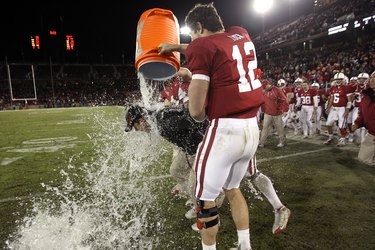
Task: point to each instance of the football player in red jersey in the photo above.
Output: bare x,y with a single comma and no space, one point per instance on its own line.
352,85
169,94
175,90
366,119
307,100
297,125
321,98
339,104
357,89
226,91
288,91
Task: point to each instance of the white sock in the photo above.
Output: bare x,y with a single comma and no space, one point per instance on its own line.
265,186
211,247
244,238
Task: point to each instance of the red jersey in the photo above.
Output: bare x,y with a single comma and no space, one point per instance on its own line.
340,95
176,91
366,117
296,92
228,61
357,89
307,97
287,90
170,91
351,87
321,97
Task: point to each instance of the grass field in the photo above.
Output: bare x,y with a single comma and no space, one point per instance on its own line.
72,179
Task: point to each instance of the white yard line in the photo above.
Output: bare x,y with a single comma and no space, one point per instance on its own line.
292,155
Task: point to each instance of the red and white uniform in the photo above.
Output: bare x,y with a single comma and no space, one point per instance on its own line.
339,96
308,97
287,91
170,91
228,62
296,91
308,100
322,97
175,92
356,91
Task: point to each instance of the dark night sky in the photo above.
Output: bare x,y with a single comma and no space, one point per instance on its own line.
109,27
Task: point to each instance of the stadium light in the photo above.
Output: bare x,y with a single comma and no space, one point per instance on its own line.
185,30
262,6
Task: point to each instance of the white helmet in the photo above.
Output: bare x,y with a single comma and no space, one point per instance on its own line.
339,76
298,80
353,78
315,84
363,76
281,82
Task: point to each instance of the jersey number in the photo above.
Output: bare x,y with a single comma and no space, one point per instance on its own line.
245,85
306,100
336,97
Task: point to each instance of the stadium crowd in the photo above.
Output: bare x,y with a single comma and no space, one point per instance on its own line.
314,24
320,64
72,86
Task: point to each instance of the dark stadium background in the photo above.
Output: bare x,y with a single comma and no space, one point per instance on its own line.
104,31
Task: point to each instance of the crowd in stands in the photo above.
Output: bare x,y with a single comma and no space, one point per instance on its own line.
320,64
316,23
72,85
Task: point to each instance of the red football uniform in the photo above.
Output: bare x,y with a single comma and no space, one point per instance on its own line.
176,90
171,91
235,90
307,97
357,98
339,94
288,89
322,96
296,93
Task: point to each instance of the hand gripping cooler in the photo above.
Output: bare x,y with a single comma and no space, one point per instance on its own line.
154,27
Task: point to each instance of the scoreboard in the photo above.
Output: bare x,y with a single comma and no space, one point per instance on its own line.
37,42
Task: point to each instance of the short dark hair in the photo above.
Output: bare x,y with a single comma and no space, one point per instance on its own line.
206,15
132,115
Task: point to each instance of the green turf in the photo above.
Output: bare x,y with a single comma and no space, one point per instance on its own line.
330,194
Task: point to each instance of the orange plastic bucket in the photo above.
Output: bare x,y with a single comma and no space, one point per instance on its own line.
154,27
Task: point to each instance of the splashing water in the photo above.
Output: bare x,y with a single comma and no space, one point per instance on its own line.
150,93
257,194
113,206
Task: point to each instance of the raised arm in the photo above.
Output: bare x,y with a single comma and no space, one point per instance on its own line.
165,48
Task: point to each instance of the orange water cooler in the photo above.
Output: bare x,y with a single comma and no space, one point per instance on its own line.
154,27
